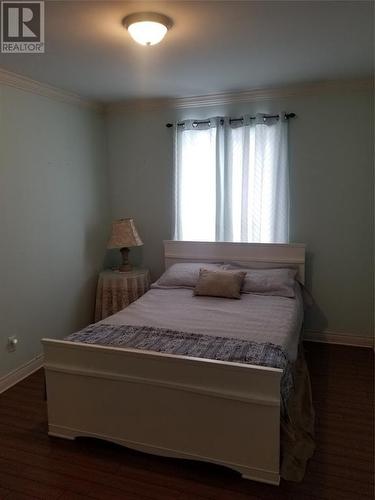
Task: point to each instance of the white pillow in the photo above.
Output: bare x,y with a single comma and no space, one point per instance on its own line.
280,282
184,275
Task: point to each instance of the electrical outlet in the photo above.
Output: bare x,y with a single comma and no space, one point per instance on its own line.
12,343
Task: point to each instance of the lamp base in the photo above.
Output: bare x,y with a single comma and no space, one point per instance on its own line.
125,266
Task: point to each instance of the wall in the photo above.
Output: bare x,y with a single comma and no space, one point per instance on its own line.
54,218
331,153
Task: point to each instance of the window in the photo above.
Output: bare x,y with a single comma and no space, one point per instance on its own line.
231,180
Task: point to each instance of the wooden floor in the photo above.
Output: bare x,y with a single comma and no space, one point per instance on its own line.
32,465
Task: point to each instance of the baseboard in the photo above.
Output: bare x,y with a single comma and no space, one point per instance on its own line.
331,337
20,373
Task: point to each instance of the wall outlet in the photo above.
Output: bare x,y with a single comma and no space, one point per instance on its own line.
12,343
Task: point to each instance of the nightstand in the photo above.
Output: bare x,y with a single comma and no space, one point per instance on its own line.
117,290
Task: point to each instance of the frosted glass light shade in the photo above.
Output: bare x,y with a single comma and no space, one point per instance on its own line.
147,32
147,28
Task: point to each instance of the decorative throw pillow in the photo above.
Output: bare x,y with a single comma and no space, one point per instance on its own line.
274,281
220,283
183,275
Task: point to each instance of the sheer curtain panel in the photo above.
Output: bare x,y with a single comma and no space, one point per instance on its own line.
231,180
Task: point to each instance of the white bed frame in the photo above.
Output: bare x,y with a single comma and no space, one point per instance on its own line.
175,406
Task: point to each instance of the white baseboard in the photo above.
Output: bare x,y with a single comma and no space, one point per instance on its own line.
20,373
331,337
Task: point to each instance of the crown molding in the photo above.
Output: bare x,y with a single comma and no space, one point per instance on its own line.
251,95
34,87
258,94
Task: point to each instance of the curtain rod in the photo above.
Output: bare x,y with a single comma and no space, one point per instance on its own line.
231,120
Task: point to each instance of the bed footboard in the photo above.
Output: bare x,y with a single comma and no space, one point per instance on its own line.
208,410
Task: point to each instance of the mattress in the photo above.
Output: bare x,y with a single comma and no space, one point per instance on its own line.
258,318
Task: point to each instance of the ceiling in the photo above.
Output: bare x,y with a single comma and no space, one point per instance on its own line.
214,46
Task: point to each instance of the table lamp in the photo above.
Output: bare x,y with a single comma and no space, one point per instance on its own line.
124,235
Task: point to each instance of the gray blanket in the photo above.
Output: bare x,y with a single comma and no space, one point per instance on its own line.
191,344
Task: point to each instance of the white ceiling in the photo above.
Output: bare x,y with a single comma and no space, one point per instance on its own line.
213,46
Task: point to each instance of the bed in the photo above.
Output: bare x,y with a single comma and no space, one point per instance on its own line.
181,406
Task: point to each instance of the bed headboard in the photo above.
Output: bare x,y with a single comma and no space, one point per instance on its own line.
259,255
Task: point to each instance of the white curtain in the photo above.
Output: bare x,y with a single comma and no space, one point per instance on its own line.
231,180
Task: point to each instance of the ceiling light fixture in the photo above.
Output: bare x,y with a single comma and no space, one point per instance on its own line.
147,28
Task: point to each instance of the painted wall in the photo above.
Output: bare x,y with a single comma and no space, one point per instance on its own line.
54,217
331,152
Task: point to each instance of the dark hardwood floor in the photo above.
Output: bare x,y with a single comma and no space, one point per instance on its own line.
32,465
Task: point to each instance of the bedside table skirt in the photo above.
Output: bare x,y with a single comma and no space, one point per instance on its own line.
117,290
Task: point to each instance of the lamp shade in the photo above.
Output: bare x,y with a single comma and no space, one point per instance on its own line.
124,234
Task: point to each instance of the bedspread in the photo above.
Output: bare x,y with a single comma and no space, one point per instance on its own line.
257,318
